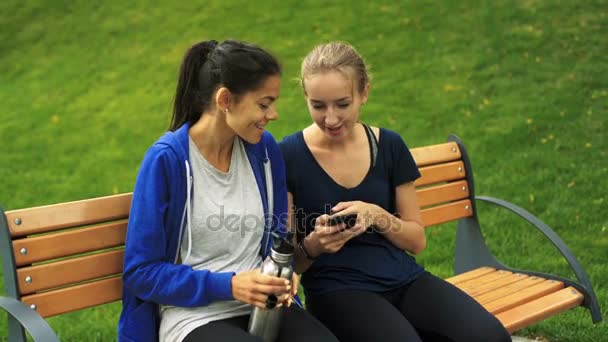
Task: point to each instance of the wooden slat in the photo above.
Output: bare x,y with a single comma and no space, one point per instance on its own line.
443,193
77,297
483,280
446,212
495,285
66,272
539,309
70,214
441,173
524,296
434,154
523,283
58,245
478,272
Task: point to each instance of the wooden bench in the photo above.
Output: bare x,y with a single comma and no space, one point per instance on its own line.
66,257
518,298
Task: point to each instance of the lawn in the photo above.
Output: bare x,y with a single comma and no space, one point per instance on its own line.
86,88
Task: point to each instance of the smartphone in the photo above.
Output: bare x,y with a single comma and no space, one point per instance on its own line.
348,220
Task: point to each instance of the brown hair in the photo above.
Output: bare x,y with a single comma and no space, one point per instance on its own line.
236,65
336,56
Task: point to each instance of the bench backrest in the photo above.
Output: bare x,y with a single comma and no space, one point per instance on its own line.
69,256
443,190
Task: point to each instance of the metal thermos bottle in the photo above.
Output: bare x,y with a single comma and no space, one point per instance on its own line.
266,323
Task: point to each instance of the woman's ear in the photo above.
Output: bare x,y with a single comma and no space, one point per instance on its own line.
223,99
365,93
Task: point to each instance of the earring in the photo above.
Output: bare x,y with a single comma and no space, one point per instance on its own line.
226,110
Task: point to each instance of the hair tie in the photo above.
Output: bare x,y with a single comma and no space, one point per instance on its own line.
212,44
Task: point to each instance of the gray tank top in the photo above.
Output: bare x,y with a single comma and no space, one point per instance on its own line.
227,225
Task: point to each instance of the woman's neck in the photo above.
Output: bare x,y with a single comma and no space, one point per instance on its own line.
214,140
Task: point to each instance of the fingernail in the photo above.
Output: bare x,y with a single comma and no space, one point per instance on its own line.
289,302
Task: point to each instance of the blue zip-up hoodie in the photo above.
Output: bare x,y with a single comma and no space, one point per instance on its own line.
157,220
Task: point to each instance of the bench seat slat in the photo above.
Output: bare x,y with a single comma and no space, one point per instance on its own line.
77,297
541,308
478,272
65,272
441,173
476,291
523,296
442,193
446,212
434,154
65,243
524,283
51,217
516,299
483,280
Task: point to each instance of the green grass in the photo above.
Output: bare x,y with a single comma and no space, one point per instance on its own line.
86,88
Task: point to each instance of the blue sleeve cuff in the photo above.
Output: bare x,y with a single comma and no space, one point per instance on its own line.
219,286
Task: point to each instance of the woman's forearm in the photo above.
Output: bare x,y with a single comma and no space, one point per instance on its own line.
406,234
301,261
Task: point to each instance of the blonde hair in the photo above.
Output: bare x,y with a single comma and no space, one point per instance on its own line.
336,56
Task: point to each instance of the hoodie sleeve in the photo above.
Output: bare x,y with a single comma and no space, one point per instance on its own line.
149,272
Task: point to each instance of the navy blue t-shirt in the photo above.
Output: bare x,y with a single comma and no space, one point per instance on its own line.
369,261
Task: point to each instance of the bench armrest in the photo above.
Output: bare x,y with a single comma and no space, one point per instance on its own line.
581,275
35,325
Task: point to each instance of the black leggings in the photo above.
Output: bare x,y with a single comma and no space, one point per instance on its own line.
428,308
297,326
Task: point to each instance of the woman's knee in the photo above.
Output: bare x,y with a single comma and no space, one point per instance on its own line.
490,332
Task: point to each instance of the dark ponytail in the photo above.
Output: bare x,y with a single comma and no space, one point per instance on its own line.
207,65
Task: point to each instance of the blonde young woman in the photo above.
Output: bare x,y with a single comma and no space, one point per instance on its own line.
360,277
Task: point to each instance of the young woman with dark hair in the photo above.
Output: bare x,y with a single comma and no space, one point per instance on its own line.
208,194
